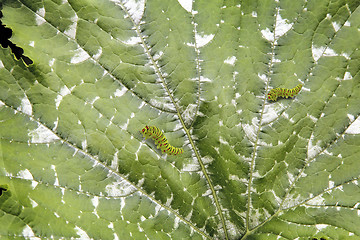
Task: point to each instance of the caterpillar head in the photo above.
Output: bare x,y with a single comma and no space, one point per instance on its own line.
145,129
272,95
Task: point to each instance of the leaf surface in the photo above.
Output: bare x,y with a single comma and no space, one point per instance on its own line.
73,163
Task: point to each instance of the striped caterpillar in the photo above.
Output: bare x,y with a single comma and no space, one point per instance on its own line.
283,92
160,140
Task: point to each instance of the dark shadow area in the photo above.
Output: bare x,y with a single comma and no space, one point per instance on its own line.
5,34
3,188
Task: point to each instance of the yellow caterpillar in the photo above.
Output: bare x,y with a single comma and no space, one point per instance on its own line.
283,92
160,140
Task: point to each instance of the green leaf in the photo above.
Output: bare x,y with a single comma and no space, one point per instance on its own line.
73,163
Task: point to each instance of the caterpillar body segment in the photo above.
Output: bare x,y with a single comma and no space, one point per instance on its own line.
160,140
283,92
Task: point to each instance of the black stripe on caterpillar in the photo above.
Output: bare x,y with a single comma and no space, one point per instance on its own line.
283,92
160,140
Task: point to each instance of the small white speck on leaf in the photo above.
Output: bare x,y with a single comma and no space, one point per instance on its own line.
230,60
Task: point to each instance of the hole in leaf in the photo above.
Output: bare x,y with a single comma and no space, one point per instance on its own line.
5,34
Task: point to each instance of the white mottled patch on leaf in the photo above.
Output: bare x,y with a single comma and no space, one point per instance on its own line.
92,101
25,106
321,227
254,14
230,60
98,53
79,56
290,201
256,174
27,232
347,24
33,203
135,8
347,76
255,216
114,163
290,177
336,26
84,144
95,203
275,60
63,92
202,40
351,117
51,62
158,55
267,34
32,44
270,113
42,135
313,150
82,234
41,12
186,4
25,174
251,130
39,17
354,127
1,64
120,92
190,168
157,209
207,159
56,183
205,79
133,41
282,26
345,55
71,30
176,223
263,77
330,52
189,113
317,52
234,177
111,225
223,141
314,119
119,189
